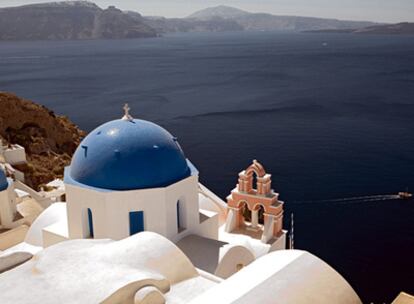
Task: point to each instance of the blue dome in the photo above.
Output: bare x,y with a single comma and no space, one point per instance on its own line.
128,155
3,181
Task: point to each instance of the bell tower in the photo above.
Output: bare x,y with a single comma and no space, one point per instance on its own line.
253,208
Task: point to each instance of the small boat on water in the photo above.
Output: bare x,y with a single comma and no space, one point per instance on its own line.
405,195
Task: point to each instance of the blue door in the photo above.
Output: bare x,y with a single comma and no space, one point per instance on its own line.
90,221
136,222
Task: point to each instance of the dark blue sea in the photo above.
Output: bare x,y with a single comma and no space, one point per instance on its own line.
331,116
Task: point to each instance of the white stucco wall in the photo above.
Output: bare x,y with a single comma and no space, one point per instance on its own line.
209,223
55,213
7,206
280,243
185,191
110,210
55,233
12,237
15,155
78,201
210,201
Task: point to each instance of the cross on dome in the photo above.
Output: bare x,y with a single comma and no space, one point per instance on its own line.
127,116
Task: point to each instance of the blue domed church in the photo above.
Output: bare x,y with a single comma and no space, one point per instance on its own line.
129,176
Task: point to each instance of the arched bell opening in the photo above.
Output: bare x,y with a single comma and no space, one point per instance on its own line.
245,214
258,216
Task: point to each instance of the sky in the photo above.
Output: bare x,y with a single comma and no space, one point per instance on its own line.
372,10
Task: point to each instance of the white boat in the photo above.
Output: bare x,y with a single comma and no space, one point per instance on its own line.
405,195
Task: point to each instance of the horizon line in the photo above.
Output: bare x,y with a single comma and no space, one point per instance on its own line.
209,7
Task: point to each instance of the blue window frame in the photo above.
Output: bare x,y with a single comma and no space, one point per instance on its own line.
90,221
136,222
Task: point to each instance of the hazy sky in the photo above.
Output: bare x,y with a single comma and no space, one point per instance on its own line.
375,10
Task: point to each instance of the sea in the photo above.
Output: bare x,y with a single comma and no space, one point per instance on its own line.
330,116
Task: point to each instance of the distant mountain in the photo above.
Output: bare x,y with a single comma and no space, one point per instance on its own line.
172,25
387,29
404,28
85,20
267,22
225,12
70,20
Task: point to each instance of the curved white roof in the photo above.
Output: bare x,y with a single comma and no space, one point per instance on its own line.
53,214
96,271
93,271
288,277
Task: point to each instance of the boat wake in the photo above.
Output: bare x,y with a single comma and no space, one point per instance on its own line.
354,200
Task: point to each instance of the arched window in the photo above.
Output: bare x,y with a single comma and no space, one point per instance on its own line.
181,220
254,180
90,222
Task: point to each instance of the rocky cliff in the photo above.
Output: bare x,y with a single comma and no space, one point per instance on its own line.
70,20
404,28
49,139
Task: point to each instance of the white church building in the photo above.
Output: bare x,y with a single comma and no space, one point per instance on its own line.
138,227
130,176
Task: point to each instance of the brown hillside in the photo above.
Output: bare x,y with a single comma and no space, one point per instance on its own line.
49,139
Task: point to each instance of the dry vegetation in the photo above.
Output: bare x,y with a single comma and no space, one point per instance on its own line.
49,139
